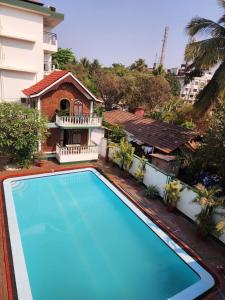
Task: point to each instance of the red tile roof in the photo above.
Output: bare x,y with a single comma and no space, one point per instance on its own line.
161,135
44,83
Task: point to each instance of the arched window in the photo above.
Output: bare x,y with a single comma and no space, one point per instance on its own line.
78,108
65,106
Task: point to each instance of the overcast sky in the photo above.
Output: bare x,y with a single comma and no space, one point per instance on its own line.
124,30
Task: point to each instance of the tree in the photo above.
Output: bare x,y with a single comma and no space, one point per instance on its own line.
85,62
159,71
211,154
208,53
139,65
110,87
21,129
119,69
95,67
63,57
174,84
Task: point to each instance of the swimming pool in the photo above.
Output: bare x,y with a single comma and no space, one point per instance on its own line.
74,235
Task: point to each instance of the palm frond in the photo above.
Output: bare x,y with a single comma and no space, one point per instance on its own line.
221,3
213,90
204,26
206,53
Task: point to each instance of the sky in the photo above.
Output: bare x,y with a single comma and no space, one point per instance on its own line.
121,31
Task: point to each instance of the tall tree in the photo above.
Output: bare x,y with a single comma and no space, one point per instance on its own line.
208,53
139,65
63,57
85,62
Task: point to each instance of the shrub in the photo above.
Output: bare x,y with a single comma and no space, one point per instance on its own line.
173,190
139,174
124,155
152,192
21,129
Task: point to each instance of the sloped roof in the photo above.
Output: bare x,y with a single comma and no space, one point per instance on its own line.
161,135
52,79
44,83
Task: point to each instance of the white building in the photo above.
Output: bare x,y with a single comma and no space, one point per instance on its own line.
190,91
26,44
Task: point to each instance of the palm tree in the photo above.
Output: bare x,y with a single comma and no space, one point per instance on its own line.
208,53
85,62
139,65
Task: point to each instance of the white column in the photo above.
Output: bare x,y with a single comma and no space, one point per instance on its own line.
89,136
91,107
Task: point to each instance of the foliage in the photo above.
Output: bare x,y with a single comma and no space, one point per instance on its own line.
211,154
206,54
159,71
98,110
173,190
152,192
189,125
209,202
21,129
139,65
115,133
139,174
174,84
63,57
124,155
220,227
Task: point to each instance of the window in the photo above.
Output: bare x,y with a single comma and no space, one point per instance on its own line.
65,105
76,137
195,90
78,108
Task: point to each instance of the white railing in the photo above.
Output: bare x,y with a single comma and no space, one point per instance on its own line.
50,38
78,121
74,153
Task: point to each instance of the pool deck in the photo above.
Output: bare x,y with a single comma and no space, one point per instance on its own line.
208,251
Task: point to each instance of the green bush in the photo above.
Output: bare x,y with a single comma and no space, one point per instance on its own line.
152,192
21,129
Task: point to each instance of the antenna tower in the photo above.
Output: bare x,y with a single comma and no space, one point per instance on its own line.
164,42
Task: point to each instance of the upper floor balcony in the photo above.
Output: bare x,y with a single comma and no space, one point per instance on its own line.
50,42
79,121
48,67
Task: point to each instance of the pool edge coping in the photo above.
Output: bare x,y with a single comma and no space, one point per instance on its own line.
138,210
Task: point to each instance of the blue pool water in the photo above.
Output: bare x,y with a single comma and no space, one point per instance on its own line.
81,242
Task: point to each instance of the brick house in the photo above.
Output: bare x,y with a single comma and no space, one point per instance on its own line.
68,106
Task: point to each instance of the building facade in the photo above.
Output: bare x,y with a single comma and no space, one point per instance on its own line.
190,91
27,42
68,106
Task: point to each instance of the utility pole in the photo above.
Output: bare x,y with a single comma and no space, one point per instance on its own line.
164,42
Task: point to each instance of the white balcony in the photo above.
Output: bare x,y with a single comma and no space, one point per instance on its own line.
50,42
76,153
48,67
82,121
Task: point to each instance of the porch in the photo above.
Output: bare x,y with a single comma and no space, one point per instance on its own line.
79,121
76,153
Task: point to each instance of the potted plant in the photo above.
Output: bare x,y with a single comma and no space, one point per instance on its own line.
173,190
41,160
152,192
139,174
209,201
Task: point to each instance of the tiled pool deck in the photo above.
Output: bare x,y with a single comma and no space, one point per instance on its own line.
208,251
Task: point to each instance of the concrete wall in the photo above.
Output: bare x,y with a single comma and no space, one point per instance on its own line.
155,176
21,47
22,51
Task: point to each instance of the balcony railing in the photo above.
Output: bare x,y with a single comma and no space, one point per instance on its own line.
48,67
82,121
75,153
50,38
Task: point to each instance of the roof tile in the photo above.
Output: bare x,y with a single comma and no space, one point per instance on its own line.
44,83
161,135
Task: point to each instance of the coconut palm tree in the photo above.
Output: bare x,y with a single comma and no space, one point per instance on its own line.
139,65
85,62
207,53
